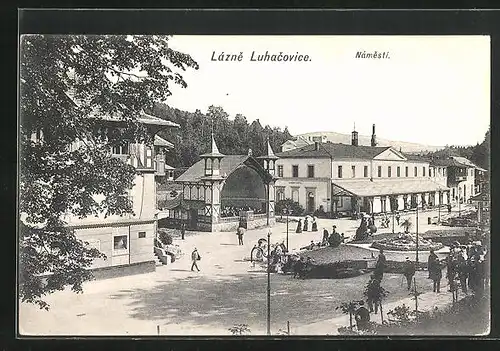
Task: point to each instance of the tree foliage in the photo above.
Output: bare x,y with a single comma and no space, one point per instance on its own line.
67,84
479,154
233,136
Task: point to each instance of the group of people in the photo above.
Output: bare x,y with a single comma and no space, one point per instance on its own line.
232,211
304,225
466,267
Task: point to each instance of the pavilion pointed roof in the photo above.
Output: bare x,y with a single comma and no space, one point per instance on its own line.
269,153
214,152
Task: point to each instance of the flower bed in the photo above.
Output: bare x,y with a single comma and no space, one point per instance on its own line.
406,242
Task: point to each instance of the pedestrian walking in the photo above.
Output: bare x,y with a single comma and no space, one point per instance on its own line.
314,226
299,226
463,273
183,230
306,223
362,317
408,271
239,232
380,265
435,273
195,257
398,217
324,241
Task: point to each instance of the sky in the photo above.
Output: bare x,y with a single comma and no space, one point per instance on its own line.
433,90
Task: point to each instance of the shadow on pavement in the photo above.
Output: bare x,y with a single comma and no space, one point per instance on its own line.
223,301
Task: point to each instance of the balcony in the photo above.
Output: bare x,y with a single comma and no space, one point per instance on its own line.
460,178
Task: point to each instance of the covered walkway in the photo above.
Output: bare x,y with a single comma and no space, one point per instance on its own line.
388,195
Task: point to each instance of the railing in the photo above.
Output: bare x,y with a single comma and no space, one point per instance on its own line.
460,178
229,219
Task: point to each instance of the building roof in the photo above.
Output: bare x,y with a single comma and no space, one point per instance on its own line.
214,150
196,172
298,142
481,197
331,150
159,141
269,153
385,187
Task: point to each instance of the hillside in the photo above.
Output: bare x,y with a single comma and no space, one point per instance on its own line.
365,140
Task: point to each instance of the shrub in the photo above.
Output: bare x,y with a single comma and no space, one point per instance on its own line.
240,329
165,237
295,208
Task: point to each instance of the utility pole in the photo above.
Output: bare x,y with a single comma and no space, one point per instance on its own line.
416,256
268,282
287,249
439,206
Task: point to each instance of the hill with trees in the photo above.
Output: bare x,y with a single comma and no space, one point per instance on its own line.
233,136
479,154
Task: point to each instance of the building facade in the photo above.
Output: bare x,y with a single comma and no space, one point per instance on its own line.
128,241
354,178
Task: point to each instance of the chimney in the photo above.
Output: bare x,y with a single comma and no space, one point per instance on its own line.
354,140
316,145
374,138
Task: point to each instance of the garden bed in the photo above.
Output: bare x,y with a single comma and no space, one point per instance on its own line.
406,242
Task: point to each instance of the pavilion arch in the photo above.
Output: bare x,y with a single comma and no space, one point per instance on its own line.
245,187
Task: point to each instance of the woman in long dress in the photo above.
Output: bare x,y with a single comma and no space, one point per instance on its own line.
306,224
314,225
299,226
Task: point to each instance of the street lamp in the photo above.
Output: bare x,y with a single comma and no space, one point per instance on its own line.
286,211
416,254
268,283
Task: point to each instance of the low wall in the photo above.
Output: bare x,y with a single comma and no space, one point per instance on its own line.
120,271
232,226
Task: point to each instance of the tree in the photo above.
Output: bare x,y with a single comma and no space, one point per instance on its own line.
67,84
349,308
375,293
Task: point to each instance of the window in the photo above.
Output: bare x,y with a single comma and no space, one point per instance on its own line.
365,171
310,171
295,171
295,195
142,234
416,172
339,172
380,171
120,242
398,170
280,171
406,171
120,150
353,168
389,171
423,171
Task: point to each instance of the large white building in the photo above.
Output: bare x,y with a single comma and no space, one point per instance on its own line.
356,178
128,241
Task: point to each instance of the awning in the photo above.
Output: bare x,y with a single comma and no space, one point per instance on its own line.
385,187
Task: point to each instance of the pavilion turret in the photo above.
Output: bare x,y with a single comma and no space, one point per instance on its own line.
212,161
269,159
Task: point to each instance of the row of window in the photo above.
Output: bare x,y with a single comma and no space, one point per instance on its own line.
310,171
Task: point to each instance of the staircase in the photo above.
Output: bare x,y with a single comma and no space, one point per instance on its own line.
162,257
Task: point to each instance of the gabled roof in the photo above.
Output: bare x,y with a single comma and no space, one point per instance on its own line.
455,161
332,150
227,165
159,141
214,150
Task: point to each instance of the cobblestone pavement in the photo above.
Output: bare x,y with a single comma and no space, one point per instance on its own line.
227,291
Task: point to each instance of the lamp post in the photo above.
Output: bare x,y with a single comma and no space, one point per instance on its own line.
416,254
286,211
268,283
440,194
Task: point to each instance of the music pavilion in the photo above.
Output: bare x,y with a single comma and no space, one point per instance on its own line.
220,192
